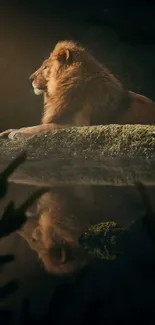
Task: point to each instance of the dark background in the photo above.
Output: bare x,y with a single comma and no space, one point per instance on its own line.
122,35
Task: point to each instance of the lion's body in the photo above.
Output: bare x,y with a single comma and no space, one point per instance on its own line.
78,90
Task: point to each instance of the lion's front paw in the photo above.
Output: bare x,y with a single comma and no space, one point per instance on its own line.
15,134
6,134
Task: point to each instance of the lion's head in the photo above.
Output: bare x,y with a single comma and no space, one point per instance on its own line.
64,55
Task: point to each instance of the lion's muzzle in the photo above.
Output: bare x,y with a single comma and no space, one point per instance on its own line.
37,90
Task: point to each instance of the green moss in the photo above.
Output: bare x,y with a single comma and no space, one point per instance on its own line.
104,240
133,140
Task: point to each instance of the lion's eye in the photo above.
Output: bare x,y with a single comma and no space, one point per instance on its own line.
45,67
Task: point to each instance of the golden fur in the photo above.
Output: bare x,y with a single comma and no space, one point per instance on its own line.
78,90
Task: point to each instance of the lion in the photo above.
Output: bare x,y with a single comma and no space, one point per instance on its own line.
78,90
62,217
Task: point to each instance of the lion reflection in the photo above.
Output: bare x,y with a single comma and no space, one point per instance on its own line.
62,216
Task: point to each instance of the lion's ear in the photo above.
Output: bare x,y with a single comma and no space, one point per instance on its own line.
64,56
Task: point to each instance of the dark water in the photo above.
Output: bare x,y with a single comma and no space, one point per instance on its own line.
121,288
